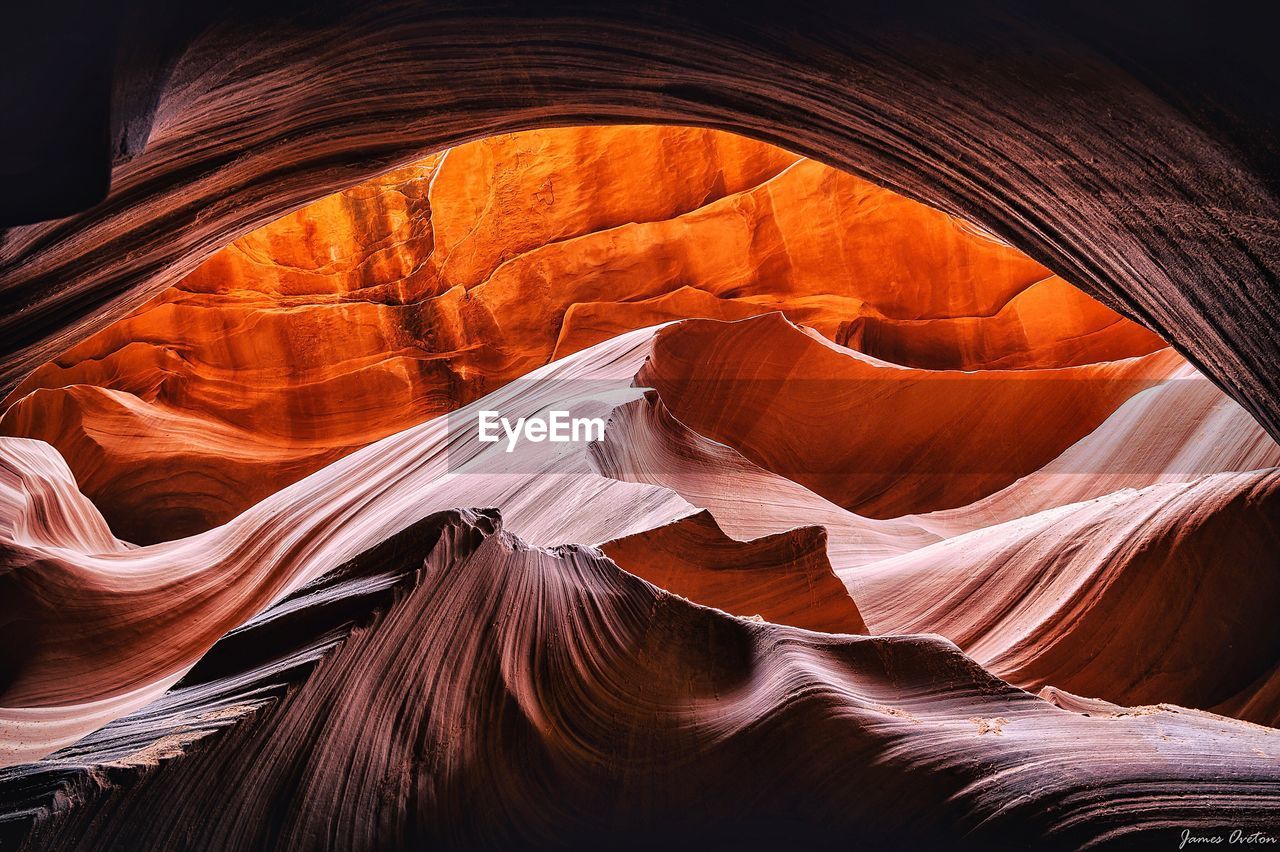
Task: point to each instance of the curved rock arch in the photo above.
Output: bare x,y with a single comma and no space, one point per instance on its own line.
1089,140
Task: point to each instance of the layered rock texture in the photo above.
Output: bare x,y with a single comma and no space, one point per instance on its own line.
892,539
408,296
1132,150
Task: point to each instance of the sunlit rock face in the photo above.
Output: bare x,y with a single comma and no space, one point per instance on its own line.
416,292
877,438
654,608
891,534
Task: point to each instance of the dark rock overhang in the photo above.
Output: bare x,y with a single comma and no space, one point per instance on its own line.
1131,150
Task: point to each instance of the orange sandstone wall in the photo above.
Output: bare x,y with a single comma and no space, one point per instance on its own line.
404,297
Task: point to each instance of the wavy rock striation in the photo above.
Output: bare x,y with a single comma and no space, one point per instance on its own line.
618,705
869,435
151,613
783,578
1138,596
212,119
354,659
356,625
409,295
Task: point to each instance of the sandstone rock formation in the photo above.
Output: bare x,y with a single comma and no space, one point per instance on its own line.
617,705
420,291
561,650
893,537
1132,152
877,438
784,578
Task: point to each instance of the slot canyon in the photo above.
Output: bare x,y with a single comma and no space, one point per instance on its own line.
937,500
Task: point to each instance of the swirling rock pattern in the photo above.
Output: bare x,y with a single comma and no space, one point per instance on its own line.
387,632
634,705
867,434
212,119
1122,596
229,573
155,598
422,290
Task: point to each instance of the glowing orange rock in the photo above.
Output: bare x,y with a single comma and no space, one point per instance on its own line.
105,628
1050,323
405,297
876,438
502,197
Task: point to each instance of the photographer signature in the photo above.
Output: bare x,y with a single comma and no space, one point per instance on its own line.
1235,836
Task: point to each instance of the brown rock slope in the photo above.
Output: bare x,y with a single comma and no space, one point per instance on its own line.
1132,597
106,629
419,291
509,696
148,614
784,578
493,693
1068,576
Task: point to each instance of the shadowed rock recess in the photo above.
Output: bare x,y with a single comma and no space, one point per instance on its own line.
937,503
